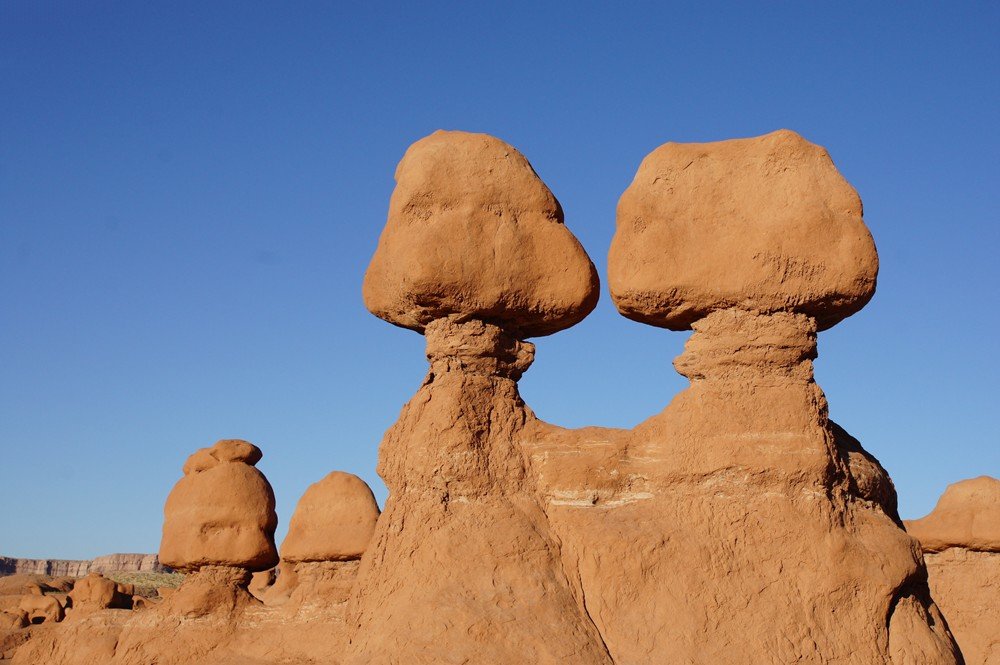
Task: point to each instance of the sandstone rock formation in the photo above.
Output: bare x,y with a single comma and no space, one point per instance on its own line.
54,567
967,516
333,521
219,523
39,608
96,592
260,582
733,522
34,584
961,542
12,635
327,536
222,490
738,521
464,564
13,620
738,525
113,563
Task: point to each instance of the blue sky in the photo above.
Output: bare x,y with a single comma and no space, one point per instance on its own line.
190,193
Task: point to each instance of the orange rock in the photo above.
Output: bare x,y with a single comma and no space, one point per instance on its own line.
285,583
463,561
221,513
764,224
473,231
41,609
737,525
260,582
212,589
967,515
143,603
333,521
12,620
91,593
961,542
12,636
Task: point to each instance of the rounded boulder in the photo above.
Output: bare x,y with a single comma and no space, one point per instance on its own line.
473,231
221,513
763,224
333,521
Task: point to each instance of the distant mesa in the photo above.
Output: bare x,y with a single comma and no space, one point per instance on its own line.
78,568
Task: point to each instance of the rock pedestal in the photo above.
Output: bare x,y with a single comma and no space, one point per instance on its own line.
463,555
463,565
734,531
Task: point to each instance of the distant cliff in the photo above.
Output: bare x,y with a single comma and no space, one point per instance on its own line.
77,568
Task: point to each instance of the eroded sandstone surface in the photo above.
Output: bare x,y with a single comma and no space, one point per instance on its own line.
738,525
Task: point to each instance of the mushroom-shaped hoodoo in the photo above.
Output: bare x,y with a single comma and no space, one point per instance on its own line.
219,523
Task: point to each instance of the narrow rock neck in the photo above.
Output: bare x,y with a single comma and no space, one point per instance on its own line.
224,575
736,344
476,347
456,436
753,408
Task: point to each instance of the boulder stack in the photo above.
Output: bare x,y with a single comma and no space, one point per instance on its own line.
219,524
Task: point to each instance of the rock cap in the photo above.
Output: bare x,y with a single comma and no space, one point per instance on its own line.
473,231
764,224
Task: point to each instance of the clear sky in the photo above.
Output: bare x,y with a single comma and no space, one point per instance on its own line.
190,193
